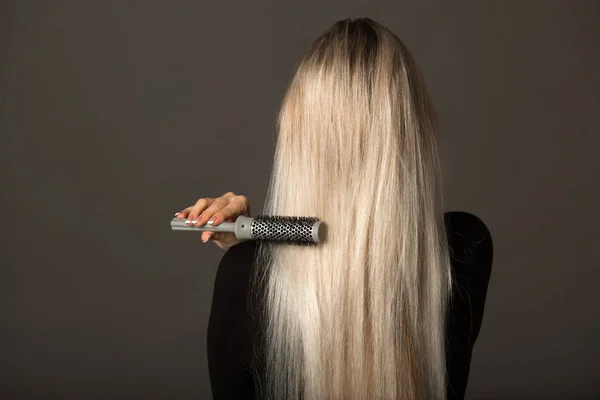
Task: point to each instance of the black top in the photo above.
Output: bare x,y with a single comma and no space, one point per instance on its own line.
234,349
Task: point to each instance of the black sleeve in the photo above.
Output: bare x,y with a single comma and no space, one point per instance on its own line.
228,343
471,254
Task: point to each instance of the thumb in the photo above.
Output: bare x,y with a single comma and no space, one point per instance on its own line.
205,236
223,237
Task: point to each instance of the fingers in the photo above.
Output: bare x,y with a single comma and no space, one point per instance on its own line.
243,204
215,211
184,213
238,205
229,212
225,208
199,207
209,213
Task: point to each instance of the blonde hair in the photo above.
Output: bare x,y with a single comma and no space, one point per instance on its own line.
361,316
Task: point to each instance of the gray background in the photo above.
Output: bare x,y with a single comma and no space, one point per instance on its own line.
115,115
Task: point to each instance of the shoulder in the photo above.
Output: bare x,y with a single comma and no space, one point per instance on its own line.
231,286
232,280
237,261
470,241
240,252
471,254
229,350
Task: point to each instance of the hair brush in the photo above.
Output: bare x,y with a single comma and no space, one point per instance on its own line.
273,228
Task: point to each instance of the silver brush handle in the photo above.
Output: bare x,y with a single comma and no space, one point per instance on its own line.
240,228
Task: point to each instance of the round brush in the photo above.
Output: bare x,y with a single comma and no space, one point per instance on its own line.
275,228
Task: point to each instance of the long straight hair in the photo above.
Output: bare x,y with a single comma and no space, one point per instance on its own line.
362,315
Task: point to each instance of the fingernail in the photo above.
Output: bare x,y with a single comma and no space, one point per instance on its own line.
207,237
210,222
194,222
176,214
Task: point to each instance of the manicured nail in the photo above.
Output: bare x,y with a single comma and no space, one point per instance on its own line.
207,237
194,222
176,214
212,221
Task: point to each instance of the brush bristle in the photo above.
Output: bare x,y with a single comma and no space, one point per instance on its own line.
284,229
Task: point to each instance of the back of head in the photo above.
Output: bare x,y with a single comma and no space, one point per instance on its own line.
360,316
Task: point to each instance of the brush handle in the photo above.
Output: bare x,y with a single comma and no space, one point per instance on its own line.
180,225
240,228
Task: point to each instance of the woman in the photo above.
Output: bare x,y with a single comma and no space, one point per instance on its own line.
389,307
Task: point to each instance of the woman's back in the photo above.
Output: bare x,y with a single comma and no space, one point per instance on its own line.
236,354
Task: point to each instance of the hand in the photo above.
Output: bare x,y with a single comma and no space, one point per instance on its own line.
223,209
